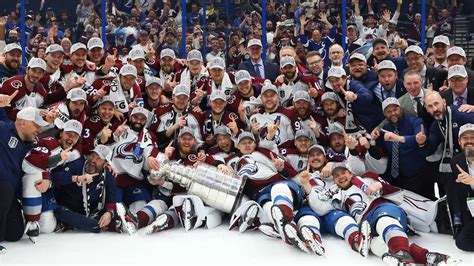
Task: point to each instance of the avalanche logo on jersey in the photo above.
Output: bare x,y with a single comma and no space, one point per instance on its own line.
355,204
247,166
126,151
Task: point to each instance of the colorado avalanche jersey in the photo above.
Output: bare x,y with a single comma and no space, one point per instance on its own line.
113,88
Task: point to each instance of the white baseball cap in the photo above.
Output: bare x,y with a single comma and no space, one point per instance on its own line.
441,39
222,130
140,110
77,94
287,60
457,70
336,166
37,63
387,64
301,95
73,126
181,89
128,69
218,94
456,50
217,62
54,48
194,55
167,52
106,99
253,42
303,133
267,85
414,49
135,54
245,135
317,147
95,42
78,46
32,114
329,96
335,128
152,80
390,101
336,72
358,56
11,46
103,152
186,130
242,75
465,127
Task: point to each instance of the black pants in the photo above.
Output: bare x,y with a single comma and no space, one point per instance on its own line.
457,194
11,219
77,220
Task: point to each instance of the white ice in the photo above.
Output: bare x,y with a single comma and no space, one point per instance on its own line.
198,247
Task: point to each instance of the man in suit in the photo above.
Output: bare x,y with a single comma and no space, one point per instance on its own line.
431,76
255,66
457,56
459,94
359,70
389,85
440,49
412,102
316,68
460,188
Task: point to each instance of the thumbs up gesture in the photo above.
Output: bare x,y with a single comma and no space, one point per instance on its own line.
420,136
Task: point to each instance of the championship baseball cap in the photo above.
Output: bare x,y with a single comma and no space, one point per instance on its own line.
301,95
245,135
335,128
135,54
128,69
457,70
464,128
414,49
217,62
152,80
32,114
387,64
441,39
140,110
329,96
242,75
267,85
218,94
390,101
287,60
78,46
54,48
194,55
336,166
336,72
11,46
105,99
95,42
378,41
358,56
186,130
303,133
253,42
103,152
77,94
181,89
222,130
73,126
456,50
315,148
37,63
167,52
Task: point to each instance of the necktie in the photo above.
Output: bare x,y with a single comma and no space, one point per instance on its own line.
419,106
257,71
459,101
395,157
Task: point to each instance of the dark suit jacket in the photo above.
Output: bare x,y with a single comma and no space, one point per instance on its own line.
448,96
470,75
271,70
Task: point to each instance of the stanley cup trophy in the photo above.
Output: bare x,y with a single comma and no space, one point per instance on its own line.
217,189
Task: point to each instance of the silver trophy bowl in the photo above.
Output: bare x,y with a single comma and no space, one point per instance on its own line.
217,189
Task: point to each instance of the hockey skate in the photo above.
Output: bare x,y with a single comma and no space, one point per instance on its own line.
188,215
3,250
435,258
362,240
279,220
163,222
269,230
246,217
312,240
249,219
32,230
292,237
129,221
401,258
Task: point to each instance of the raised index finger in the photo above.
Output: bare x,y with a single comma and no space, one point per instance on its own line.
460,169
171,143
13,95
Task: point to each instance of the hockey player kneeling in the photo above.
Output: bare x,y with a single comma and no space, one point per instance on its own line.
369,198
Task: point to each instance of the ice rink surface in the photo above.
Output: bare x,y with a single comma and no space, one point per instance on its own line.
198,247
